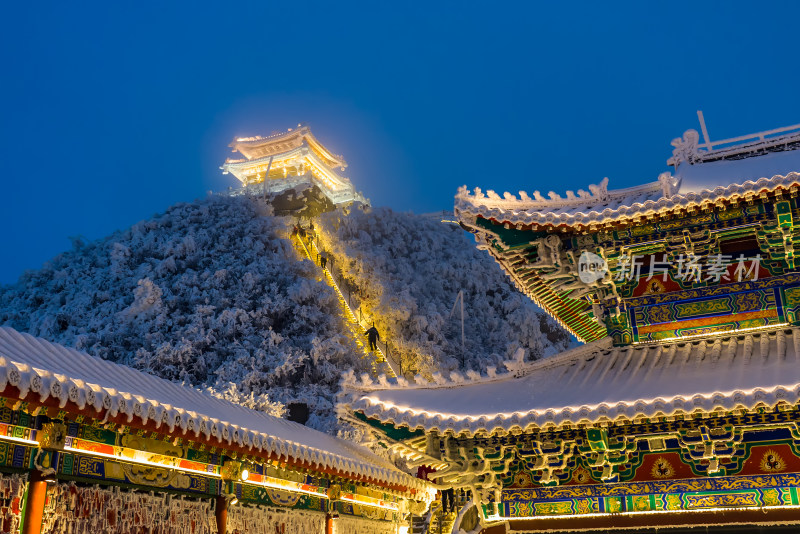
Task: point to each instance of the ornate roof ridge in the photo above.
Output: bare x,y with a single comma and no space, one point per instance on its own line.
514,368
502,209
689,149
589,386
597,193
256,140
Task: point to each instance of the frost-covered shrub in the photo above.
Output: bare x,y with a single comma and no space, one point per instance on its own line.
207,293
409,269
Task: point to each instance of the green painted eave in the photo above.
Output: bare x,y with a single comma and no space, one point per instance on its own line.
388,429
511,237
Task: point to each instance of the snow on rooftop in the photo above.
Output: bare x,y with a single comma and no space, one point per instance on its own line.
46,369
708,176
599,381
762,162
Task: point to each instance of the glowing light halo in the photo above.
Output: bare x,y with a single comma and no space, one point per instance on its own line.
281,484
369,501
141,461
350,311
19,440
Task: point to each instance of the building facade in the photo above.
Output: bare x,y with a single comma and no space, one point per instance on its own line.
681,409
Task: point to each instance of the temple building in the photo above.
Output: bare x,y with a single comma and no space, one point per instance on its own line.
682,407
293,158
89,446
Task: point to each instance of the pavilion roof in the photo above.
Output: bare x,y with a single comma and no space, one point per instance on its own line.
701,177
40,370
597,382
257,146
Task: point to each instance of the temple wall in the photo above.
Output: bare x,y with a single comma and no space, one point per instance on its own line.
353,525
12,488
263,520
94,509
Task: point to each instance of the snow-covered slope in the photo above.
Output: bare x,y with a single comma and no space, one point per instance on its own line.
410,268
207,293
212,293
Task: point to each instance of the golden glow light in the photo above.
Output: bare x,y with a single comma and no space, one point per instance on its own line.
722,334
350,313
7,431
288,485
123,454
369,501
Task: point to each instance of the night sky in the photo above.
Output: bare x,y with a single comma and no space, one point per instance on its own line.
114,111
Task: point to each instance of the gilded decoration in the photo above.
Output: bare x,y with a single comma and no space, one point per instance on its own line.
151,445
772,462
553,508
771,497
673,502
654,286
642,503
706,307
653,487
613,504
148,475
523,480
662,468
725,289
660,314
334,492
91,467
284,498
585,506
747,302
716,500
53,436
730,214
581,476
792,296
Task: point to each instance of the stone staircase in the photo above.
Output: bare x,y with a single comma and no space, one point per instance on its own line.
434,522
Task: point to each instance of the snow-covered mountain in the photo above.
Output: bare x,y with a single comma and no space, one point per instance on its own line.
212,293
208,293
410,269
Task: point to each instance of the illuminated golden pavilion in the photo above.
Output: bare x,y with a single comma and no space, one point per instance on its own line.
289,159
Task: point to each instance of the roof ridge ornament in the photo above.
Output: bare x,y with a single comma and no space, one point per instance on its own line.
669,184
686,149
597,193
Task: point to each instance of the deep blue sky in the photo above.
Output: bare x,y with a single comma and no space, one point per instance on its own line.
114,111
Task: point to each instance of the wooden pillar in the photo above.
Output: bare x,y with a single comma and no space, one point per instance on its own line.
221,513
34,503
328,524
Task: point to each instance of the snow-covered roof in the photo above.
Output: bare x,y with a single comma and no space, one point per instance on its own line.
40,370
258,146
713,175
628,203
599,382
698,179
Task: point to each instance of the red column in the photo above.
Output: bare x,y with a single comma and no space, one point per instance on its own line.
328,524
221,513
34,503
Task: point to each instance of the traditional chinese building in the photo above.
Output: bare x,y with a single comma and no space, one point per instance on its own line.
88,446
681,410
293,158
